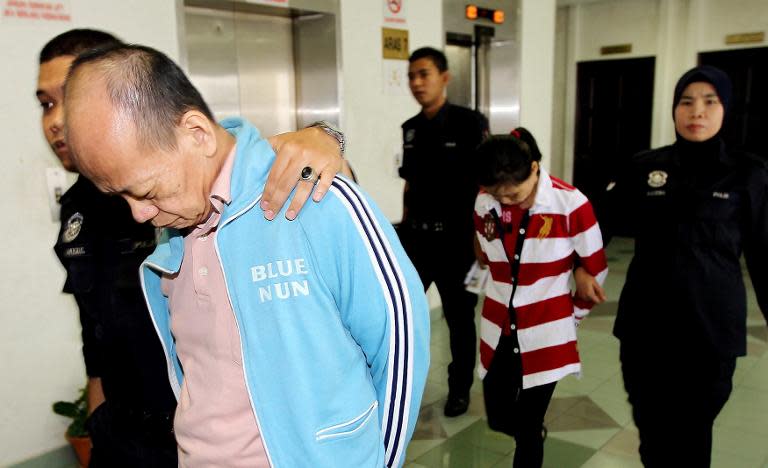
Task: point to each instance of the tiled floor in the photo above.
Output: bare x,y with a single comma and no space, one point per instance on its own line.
589,420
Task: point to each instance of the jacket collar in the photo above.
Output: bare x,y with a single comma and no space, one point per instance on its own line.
253,158
545,193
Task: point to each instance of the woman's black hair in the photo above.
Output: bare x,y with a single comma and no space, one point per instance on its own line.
506,158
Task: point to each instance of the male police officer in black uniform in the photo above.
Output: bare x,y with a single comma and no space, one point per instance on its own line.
101,248
437,230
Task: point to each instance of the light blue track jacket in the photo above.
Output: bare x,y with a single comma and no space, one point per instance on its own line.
333,319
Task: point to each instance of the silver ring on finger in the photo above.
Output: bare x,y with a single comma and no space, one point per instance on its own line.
308,175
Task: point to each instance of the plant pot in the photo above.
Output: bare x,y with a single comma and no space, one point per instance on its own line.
82,446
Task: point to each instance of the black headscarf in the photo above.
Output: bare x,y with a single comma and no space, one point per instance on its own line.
701,157
708,74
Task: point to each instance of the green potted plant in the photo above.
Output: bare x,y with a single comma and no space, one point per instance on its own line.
77,434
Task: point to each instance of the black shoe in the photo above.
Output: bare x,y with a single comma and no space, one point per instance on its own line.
456,406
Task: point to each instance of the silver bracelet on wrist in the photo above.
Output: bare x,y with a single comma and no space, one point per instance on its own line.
333,131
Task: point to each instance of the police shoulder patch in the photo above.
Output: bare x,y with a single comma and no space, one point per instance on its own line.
72,228
410,135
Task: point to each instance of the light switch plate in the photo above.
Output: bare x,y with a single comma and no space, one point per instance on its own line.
56,181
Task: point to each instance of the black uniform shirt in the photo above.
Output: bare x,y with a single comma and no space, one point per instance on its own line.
437,164
692,218
101,248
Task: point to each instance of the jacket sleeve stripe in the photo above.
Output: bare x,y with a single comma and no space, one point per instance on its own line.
398,399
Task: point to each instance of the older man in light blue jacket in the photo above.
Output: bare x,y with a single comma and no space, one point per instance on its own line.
324,317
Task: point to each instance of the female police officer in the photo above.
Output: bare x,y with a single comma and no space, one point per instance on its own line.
693,207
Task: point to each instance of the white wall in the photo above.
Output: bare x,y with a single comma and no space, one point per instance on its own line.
39,328
673,31
537,39
370,118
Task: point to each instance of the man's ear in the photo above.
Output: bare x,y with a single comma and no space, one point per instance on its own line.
446,77
196,129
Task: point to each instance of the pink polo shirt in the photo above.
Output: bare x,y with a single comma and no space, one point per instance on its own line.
215,424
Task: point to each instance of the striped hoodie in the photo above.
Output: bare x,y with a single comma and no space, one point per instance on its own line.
529,289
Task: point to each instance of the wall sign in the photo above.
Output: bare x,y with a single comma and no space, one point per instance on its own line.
36,10
394,12
395,51
616,49
269,2
394,43
745,38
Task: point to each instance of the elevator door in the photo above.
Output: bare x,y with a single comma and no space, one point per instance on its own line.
278,71
483,77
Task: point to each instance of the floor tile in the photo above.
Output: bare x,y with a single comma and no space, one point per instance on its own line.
557,454
451,454
591,438
609,460
729,460
625,443
564,454
740,443
481,436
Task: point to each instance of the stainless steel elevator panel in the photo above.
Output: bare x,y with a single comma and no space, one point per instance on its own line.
212,59
265,57
317,95
504,84
276,67
460,88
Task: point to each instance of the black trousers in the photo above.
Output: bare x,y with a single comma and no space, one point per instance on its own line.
514,411
445,258
675,398
123,442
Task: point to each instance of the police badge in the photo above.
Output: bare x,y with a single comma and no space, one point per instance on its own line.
410,135
657,179
72,228
489,227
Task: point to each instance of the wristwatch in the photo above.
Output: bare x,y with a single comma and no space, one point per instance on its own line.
333,131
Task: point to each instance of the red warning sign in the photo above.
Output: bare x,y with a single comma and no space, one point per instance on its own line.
394,11
36,10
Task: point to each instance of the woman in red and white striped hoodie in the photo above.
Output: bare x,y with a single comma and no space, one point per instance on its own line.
532,230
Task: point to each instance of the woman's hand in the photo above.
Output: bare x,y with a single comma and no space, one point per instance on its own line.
587,287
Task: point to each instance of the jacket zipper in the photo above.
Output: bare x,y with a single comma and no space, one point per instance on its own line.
174,380
242,356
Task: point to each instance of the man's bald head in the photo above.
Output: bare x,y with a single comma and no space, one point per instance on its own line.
144,86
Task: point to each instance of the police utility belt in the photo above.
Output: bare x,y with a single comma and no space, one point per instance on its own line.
428,226
151,424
